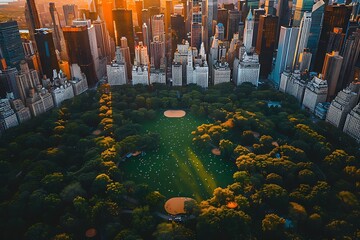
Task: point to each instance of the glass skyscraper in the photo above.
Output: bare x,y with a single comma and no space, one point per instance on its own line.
10,43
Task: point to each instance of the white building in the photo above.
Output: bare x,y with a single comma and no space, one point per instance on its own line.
285,77
248,70
315,92
140,75
340,107
157,76
23,113
221,72
116,74
79,81
296,86
177,75
352,123
248,31
62,93
201,75
8,117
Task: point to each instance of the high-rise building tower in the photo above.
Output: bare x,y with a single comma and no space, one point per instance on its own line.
212,11
219,31
102,40
233,23
107,7
344,101
283,12
301,7
303,37
10,43
286,51
257,13
336,39
352,123
158,27
125,53
70,13
33,15
334,16
317,15
124,28
46,49
350,54
331,71
248,31
169,9
120,4
151,3
139,7
266,42
79,51
141,55
58,35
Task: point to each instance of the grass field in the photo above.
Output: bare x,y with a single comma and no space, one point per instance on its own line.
177,168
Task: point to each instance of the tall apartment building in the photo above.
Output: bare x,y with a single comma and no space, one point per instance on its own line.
248,69
221,72
352,123
341,106
315,92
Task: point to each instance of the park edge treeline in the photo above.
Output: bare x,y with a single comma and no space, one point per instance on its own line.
60,174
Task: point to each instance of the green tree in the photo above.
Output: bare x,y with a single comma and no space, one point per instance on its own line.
165,231
273,226
143,221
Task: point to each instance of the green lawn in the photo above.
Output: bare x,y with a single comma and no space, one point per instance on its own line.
177,168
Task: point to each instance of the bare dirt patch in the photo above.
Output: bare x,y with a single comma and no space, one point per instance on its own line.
174,113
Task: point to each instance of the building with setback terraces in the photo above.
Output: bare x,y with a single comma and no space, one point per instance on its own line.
352,123
315,92
341,106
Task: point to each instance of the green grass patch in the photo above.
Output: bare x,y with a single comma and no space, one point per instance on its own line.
177,167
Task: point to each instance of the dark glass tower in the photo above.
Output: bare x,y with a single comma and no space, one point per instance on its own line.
334,16
46,49
33,14
10,43
124,28
79,51
233,23
265,44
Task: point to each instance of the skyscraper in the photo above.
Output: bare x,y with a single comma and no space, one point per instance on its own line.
286,51
219,31
46,49
303,37
10,43
257,13
266,42
336,39
211,10
70,13
317,14
124,28
196,29
33,15
151,3
350,54
139,7
331,71
168,11
233,23
334,16
102,40
248,31
301,7
58,35
79,51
